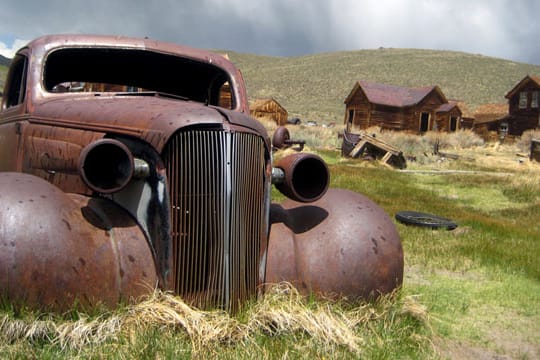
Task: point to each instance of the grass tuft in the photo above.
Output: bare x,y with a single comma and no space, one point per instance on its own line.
281,322
284,311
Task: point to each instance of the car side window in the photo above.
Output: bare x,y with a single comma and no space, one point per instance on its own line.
16,82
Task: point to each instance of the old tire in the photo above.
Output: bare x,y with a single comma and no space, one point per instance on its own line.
425,220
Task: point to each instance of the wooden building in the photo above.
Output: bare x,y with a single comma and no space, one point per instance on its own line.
400,108
269,109
489,120
448,117
524,106
467,116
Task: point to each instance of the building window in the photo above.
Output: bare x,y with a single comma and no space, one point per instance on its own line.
534,99
523,100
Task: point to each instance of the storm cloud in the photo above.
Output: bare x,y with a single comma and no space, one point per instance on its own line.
501,28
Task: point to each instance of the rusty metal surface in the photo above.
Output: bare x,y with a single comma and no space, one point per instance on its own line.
197,221
43,45
306,177
153,119
49,130
282,140
57,249
106,166
341,245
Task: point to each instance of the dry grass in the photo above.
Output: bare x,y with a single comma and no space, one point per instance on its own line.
205,329
316,137
413,145
70,334
524,143
281,312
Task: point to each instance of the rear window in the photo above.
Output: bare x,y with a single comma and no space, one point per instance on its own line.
136,71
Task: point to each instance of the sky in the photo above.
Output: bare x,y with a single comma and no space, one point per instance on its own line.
506,29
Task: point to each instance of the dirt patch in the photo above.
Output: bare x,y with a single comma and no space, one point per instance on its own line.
514,344
454,350
509,346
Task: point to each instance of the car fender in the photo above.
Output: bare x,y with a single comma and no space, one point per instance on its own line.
57,249
342,245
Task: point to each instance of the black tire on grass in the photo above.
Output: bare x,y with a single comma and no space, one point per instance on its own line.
425,220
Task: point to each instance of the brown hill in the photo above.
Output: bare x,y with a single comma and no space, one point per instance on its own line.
314,87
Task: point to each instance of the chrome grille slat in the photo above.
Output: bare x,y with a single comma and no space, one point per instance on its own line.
217,192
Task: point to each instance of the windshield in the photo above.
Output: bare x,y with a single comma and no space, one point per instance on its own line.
136,71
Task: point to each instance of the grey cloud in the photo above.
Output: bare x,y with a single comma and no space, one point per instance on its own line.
501,28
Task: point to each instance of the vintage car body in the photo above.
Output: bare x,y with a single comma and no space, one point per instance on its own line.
130,164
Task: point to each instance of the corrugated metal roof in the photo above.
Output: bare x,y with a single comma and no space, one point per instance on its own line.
392,95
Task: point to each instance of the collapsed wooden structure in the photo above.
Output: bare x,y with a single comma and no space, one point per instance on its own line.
369,147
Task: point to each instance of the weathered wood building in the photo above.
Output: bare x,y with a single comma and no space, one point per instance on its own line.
268,109
400,108
467,116
489,120
448,117
524,106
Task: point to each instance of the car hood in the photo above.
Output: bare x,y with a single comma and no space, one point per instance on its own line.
151,118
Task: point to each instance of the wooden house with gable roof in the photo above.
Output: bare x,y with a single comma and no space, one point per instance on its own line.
523,106
448,116
268,109
393,107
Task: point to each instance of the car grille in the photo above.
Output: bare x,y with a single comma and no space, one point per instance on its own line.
218,222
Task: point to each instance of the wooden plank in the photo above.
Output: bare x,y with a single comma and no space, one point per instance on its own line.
386,157
358,148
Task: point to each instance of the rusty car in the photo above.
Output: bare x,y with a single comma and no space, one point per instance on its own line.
131,164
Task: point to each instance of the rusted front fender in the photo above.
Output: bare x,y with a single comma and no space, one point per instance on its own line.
343,245
57,249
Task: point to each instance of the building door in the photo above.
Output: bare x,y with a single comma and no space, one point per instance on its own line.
350,120
453,123
424,122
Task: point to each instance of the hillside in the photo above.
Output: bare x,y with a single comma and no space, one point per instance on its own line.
4,61
314,87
